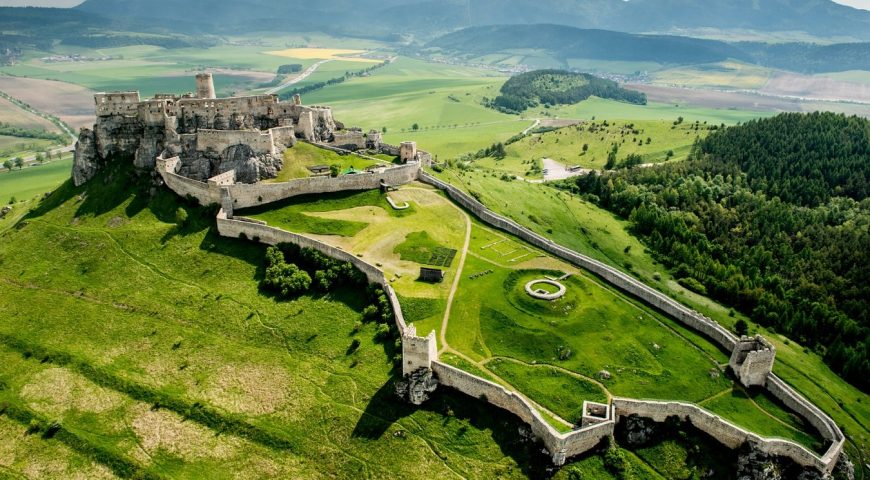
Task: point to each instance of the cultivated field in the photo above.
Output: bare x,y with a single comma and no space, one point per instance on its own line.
34,180
323,54
15,116
71,103
816,87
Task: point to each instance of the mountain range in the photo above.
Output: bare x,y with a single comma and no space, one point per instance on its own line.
431,18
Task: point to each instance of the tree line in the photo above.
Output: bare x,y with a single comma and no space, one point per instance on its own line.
776,231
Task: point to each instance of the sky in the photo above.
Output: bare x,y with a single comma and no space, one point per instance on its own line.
864,4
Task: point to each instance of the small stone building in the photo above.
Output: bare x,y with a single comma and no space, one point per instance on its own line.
431,275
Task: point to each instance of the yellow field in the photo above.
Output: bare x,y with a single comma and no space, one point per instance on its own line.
322,54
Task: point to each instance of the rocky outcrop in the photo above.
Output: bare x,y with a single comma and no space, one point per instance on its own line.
639,430
250,166
417,386
118,136
150,146
86,162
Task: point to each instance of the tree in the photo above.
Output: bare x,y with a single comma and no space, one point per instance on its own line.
383,129
585,147
181,217
19,162
8,165
334,170
669,155
415,127
741,328
40,158
611,157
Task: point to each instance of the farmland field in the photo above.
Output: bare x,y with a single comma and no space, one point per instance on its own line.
31,181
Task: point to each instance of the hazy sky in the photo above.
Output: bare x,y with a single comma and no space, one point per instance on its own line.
865,4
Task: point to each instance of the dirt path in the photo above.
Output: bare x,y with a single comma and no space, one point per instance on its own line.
446,321
302,76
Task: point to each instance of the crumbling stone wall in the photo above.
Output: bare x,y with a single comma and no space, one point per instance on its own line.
752,360
722,430
560,445
250,195
219,140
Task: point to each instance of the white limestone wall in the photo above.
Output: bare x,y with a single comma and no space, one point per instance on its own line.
720,429
560,445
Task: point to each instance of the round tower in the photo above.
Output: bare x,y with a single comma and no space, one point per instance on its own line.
205,86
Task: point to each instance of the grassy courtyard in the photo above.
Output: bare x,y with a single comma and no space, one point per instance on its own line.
304,155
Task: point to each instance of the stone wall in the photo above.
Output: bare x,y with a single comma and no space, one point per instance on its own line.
752,360
561,445
119,103
220,140
250,195
182,186
812,414
418,352
624,282
720,429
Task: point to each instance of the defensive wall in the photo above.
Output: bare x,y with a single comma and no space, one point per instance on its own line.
251,195
720,429
219,140
728,341
421,352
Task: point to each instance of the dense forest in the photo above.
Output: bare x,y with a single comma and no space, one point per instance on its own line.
558,87
771,218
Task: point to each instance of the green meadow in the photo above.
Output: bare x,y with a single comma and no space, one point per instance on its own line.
35,180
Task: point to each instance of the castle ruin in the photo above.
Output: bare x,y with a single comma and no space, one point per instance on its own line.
210,135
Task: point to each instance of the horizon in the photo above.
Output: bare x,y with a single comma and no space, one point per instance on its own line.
858,4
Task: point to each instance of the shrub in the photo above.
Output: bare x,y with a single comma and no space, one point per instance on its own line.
285,278
741,328
693,285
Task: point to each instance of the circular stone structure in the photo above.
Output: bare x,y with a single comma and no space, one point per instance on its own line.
543,294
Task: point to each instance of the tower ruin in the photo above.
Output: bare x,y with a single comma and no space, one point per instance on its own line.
752,360
205,86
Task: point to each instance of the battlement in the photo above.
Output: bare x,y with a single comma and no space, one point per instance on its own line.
752,360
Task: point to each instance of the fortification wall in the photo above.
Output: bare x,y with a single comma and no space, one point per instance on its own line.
182,186
220,140
272,236
561,446
622,281
722,430
117,103
817,418
250,195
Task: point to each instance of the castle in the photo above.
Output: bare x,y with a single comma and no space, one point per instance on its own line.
212,135
217,150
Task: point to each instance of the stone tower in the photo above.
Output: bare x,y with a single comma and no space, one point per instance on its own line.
752,360
408,152
205,86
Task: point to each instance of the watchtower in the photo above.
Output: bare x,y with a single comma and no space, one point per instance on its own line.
205,86
408,152
752,360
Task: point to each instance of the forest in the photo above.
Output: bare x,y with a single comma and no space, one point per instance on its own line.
558,87
771,218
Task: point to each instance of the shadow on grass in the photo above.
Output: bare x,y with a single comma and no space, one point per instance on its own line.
456,413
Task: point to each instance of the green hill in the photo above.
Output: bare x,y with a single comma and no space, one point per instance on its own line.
558,87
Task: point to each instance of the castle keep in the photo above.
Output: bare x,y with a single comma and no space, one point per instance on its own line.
210,135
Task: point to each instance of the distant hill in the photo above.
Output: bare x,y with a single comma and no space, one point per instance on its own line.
569,42
565,43
558,87
429,18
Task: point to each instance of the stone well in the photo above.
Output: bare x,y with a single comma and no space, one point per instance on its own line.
542,294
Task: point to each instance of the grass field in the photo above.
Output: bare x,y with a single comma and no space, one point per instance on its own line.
599,234
32,181
303,155
566,145
365,224
444,101
17,117
129,345
731,75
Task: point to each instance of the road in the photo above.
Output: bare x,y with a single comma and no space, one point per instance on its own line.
302,76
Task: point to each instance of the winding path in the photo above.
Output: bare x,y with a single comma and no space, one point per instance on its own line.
302,76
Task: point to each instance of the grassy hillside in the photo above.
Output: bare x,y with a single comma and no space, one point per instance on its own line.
603,236
116,325
35,180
